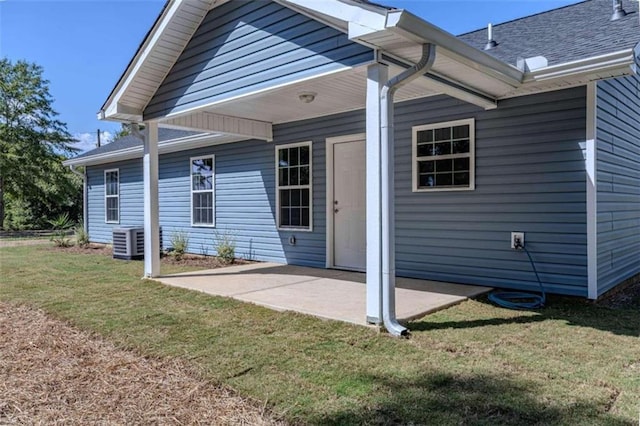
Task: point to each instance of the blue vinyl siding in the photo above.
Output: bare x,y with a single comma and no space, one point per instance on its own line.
131,198
242,46
530,177
244,195
618,174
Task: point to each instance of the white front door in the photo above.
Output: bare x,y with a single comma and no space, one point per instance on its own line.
349,215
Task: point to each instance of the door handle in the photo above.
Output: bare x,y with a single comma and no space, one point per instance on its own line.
336,210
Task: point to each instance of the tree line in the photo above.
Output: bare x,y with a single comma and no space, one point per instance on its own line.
34,185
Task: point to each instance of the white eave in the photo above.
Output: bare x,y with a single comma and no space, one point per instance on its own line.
164,147
152,62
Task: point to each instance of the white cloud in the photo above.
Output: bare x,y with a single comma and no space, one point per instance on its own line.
88,141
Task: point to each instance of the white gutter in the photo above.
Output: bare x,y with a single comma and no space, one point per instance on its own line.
416,29
596,64
164,147
387,156
83,176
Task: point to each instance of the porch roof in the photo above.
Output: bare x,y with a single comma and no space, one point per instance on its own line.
461,70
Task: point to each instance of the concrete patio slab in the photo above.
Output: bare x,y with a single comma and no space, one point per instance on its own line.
325,293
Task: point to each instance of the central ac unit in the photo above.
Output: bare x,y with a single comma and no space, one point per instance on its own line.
128,243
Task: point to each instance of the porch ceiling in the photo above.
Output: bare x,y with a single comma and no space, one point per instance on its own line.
337,92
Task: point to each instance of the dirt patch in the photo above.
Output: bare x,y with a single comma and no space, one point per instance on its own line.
626,295
191,260
205,262
51,373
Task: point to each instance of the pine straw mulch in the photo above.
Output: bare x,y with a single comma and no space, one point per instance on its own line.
52,373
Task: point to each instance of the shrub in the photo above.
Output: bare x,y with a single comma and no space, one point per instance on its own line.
61,225
179,243
82,236
225,245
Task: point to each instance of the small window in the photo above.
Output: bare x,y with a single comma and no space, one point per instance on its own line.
202,191
293,186
444,156
112,196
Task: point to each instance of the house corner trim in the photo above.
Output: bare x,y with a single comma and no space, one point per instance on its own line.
592,191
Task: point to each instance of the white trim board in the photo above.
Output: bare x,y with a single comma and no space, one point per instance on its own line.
592,190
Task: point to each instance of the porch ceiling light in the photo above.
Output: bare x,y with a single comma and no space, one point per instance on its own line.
307,97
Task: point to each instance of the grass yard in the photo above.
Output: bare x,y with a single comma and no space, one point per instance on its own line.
572,363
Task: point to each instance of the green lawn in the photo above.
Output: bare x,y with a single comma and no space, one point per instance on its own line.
571,363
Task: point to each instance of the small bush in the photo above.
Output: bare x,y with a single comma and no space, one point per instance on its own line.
225,245
179,243
61,225
82,236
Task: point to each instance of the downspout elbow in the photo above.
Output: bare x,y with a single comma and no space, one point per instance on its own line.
135,131
76,172
387,188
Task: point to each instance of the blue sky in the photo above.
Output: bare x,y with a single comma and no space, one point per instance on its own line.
85,45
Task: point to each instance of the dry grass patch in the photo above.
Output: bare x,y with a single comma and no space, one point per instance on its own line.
52,373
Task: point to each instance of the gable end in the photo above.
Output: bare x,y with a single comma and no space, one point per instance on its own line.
243,47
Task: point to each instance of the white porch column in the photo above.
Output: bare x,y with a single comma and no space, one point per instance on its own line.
151,216
377,76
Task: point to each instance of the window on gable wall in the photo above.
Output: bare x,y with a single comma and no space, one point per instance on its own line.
444,156
202,191
293,186
112,196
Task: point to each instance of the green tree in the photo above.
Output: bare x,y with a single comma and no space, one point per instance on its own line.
32,139
125,130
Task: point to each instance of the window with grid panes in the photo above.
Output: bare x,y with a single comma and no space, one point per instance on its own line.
202,191
112,196
443,156
293,172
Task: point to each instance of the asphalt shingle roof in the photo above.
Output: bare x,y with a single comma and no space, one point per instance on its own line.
573,32
131,141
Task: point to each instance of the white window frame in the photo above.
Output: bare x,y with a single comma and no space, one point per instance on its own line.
309,186
106,196
212,190
471,155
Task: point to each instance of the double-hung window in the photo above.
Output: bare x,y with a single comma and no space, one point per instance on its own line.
293,186
444,156
112,196
202,191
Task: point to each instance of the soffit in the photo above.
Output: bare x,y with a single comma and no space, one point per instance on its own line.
335,93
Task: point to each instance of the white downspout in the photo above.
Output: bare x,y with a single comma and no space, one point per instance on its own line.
387,159
83,176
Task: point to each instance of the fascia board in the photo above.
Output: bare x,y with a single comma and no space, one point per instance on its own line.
164,147
110,105
371,16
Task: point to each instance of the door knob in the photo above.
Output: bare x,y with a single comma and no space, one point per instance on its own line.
336,210
335,202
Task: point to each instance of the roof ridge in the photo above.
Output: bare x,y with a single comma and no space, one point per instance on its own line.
526,17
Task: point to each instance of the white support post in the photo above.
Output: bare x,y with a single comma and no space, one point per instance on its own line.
151,215
377,76
592,192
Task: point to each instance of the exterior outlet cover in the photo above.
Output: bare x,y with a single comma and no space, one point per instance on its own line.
517,235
